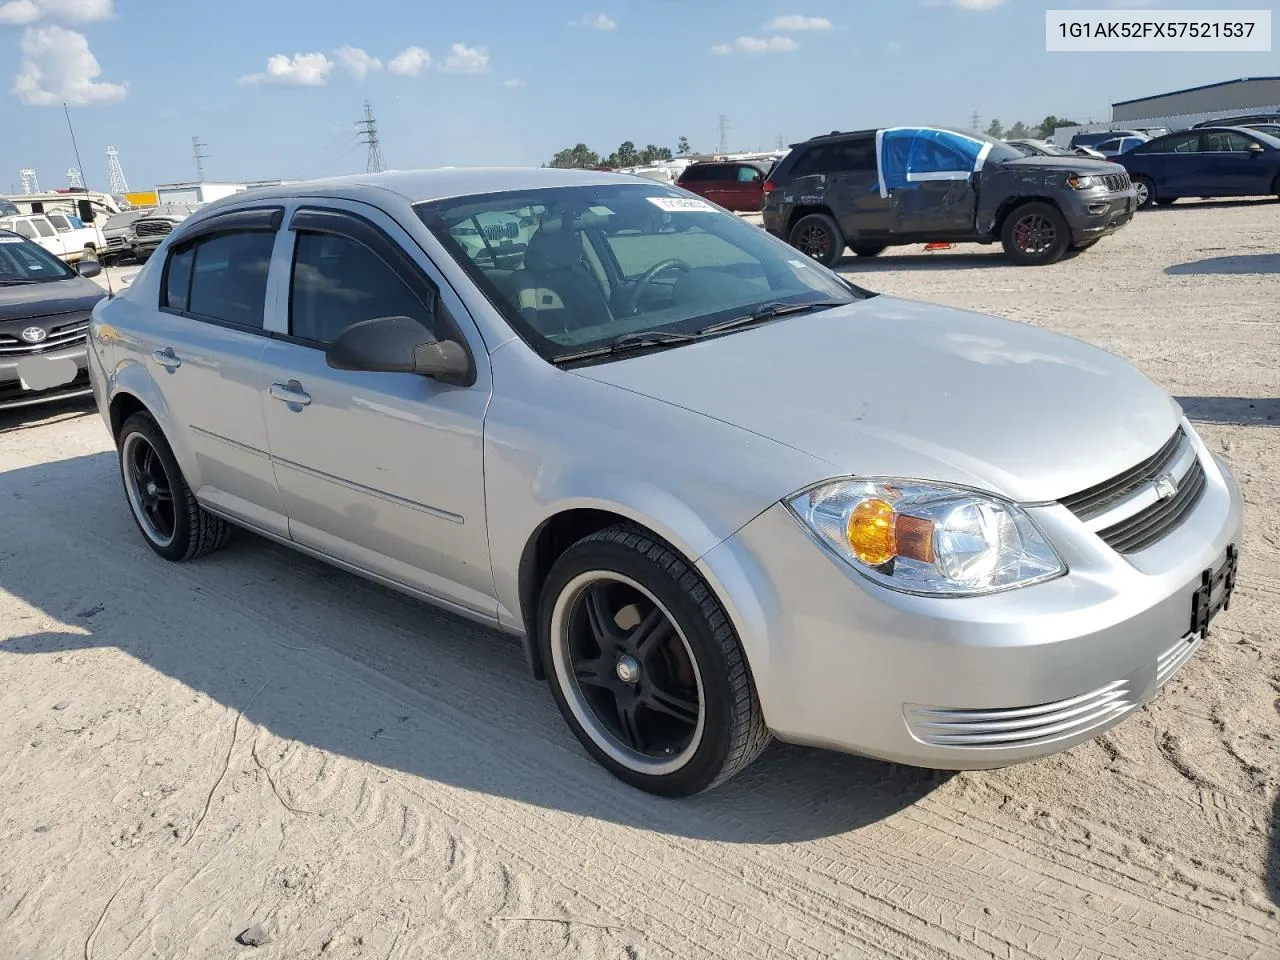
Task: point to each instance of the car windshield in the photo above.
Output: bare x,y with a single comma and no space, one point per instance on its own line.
583,267
120,220
22,261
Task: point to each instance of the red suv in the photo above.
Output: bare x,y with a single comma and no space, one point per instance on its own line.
736,185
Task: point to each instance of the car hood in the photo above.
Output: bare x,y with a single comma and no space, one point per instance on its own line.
30,300
1082,165
896,388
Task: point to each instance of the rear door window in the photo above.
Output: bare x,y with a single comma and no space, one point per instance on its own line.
43,227
221,277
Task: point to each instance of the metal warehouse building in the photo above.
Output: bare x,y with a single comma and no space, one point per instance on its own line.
1229,96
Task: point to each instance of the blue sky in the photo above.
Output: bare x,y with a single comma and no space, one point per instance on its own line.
512,82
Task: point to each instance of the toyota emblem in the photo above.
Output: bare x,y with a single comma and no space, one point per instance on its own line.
34,334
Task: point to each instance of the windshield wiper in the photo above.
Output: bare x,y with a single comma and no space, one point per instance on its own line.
14,283
631,341
768,311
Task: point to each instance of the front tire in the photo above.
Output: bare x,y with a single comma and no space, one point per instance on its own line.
818,237
646,667
1035,234
163,506
1146,190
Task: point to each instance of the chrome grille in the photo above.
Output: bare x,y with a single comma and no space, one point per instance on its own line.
152,228
1020,726
1160,519
1118,181
115,242
1097,499
65,331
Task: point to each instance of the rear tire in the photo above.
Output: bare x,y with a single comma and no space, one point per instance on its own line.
868,249
171,521
1035,234
1146,189
646,667
818,237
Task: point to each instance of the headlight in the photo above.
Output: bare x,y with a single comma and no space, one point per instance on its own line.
928,538
1085,183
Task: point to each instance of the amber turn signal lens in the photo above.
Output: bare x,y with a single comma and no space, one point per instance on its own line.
871,532
877,534
914,538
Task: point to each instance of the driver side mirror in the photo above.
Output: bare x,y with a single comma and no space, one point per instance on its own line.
400,345
88,267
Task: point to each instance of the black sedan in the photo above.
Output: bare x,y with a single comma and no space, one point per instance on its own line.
1204,162
44,319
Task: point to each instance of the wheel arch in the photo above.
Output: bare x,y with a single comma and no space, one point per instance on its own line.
1010,204
803,210
564,526
133,390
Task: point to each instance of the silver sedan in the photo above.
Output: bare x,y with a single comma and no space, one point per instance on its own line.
719,492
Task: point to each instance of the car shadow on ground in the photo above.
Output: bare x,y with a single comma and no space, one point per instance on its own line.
37,415
923,261
298,646
1184,205
1240,411
1244,263
1273,855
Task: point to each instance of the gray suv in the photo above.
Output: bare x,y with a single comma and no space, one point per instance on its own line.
879,188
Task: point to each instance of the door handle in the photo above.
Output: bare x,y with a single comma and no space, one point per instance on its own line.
167,359
290,392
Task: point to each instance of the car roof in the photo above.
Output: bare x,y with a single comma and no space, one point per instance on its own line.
419,186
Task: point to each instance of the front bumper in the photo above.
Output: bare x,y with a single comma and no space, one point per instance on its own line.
33,366
840,662
1093,214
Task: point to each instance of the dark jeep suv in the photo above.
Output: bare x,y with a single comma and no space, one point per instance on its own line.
899,185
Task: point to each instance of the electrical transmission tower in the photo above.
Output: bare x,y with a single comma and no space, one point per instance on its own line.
368,128
74,180
974,121
29,182
197,151
780,143
724,134
117,186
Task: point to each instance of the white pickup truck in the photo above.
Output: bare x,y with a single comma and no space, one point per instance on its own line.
62,234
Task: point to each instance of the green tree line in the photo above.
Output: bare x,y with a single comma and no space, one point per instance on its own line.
1020,131
582,156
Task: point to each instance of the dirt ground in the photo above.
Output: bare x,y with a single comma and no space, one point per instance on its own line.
188,751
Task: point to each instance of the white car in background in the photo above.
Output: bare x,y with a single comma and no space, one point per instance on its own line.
62,234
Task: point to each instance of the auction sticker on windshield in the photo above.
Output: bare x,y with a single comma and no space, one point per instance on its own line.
681,205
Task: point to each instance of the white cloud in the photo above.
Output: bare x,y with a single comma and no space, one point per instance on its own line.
598,21
300,70
58,65
963,4
757,45
894,47
464,59
798,22
356,62
514,84
409,62
73,11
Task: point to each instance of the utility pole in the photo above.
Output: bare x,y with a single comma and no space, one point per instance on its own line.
117,186
197,151
368,128
724,134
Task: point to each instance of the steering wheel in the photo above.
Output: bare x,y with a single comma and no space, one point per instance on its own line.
633,298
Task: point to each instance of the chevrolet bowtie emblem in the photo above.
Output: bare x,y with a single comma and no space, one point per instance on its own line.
1166,486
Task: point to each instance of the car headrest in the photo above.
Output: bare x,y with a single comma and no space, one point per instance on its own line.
553,248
